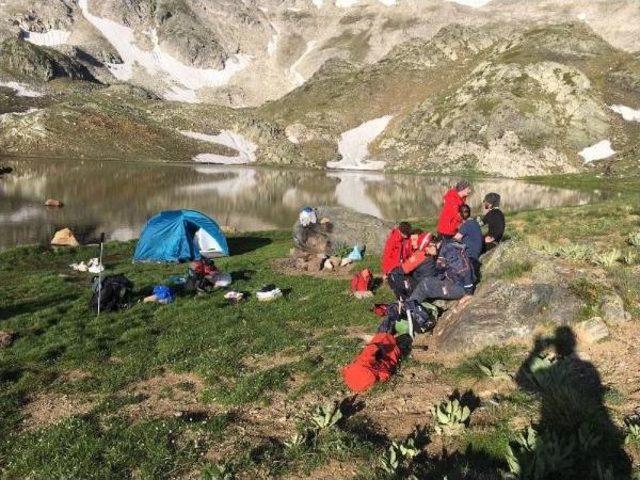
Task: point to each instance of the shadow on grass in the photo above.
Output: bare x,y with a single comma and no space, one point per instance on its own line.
242,245
29,307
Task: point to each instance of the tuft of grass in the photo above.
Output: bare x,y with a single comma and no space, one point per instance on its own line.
515,269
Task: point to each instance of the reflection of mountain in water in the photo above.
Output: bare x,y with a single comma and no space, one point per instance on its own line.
119,197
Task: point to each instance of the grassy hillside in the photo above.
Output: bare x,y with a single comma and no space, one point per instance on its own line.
200,388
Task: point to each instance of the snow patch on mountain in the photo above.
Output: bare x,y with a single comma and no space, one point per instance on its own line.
245,148
20,89
628,113
354,146
471,3
298,78
186,79
51,38
599,151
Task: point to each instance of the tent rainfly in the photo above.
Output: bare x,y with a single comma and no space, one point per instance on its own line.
180,236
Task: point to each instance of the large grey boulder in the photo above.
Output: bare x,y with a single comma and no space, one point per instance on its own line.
505,309
339,227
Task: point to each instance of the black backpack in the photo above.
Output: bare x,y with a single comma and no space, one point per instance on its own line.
114,294
423,316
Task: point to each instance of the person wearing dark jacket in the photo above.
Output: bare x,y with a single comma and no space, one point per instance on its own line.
493,219
396,250
455,280
470,234
450,218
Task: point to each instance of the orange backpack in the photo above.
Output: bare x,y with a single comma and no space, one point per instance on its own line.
376,363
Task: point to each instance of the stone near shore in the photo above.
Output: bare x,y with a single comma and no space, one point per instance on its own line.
64,238
51,202
341,227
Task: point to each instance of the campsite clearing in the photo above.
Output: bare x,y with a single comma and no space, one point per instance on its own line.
188,389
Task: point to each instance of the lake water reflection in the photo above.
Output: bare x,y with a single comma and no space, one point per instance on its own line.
118,197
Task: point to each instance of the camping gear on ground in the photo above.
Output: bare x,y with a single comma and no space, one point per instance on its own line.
180,236
234,297
356,254
99,271
268,293
64,238
308,216
110,293
409,317
376,363
93,266
204,276
380,309
79,267
222,280
177,280
362,281
161,294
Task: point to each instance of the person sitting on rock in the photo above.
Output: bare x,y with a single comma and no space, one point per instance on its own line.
494,219
420,264
470,234
455,279
450,219
396,250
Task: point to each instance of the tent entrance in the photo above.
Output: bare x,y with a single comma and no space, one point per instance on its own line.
206,244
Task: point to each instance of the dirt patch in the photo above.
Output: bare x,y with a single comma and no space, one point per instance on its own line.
49,409
168,395
72,376
261,363
287,266
329,471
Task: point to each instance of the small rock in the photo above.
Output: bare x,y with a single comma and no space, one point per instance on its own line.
51,202
335,261
65,238
315,264
6,339
345,261
328,265
613,311
592,330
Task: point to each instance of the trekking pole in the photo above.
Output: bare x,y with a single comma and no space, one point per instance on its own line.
100,271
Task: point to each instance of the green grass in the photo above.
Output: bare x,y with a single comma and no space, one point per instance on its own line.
250,359
229,347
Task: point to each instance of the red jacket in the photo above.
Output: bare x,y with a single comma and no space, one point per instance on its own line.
419,255
396,250
450,219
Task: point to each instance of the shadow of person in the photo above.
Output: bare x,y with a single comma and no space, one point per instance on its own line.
575,436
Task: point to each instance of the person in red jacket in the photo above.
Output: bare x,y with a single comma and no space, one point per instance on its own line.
450,218
396,250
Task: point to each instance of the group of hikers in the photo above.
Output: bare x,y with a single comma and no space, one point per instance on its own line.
419,266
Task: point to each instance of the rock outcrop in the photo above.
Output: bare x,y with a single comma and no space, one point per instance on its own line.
340,228
507,309
23,60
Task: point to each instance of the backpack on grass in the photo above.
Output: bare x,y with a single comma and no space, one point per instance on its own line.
114,294
362,281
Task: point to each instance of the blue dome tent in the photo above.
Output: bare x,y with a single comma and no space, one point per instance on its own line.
180,236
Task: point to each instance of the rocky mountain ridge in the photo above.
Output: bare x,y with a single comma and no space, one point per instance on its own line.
432,86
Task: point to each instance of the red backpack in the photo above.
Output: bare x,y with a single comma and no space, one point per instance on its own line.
374,364
362,281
